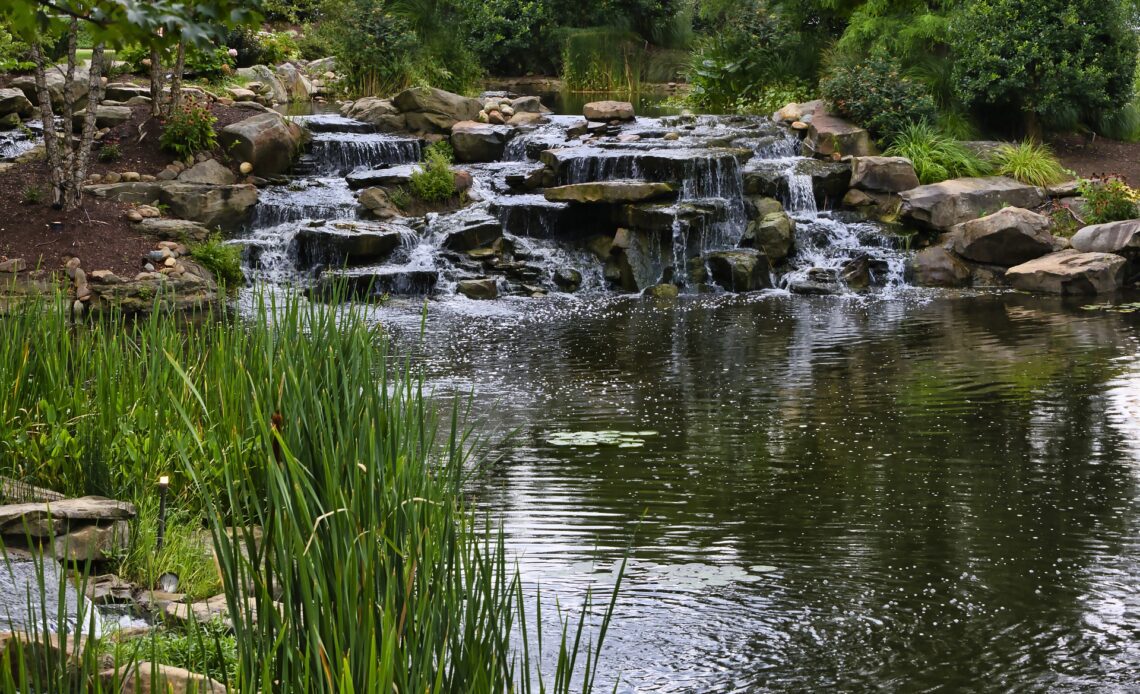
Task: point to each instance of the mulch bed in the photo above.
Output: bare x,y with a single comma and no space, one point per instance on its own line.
98,233
1099,156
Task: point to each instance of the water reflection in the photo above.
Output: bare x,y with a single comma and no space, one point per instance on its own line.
928,494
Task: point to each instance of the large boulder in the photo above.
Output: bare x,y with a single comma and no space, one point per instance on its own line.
940,206
610,192
830,136
210,171
938,267
377,201
1122,238
345,244
295,82
50,519
147,678
14,101
608,111
470,229
391,176
883,174
123,91
742,270
181,230
772,234
478,288
268,141
381,113
434,110
227,207
55,82
105,116
478,142
1070,272
1010,236
137,193
274,87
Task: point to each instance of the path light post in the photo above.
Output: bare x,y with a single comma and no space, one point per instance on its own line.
163,485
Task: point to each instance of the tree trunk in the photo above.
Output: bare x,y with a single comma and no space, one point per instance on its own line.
155,82
176,76
66,194
95,93
47,116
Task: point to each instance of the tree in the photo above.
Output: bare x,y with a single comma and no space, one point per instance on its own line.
1054,62
110,23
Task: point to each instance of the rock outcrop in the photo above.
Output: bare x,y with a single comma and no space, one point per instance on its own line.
883,174
1010,236
832,136
268,141
742,270
610,192
431,110
1070,272
608,111
227,207
478,142
1122,238
940,206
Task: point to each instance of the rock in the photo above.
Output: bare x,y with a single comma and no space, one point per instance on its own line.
147,678
940,206
105,277
742,270
663,291
528,104
463,181
55,82
105,116
94,542
478,142
829,180
795,112
13,265
1121,238
295,82
938,267
610,192
246,168
321,66
883,174
482,288
167,174
272,86
14,102
817,281
1010,236
393,176
181,230
109,590
1066,189
125,91
829,135
136,193
48,520
345,243
772,234
381,113
495,118
434,110
608,111
567,279
239,94
132,177
210,171
112,177
376,201
470,229
268,141
671,136
214,206
1070,272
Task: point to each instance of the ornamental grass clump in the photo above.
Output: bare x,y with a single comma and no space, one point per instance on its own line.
1029,162
936,157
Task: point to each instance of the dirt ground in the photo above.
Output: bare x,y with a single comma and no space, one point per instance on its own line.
1099,156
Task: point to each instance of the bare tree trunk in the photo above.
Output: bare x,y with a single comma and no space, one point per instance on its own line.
95,93
66,194
155,82
47,116
176,77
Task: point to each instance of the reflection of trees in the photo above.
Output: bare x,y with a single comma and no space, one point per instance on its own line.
946,468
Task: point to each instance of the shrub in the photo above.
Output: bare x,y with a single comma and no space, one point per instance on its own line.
210,63
876,95
32,195
935,156
109,152
399,197
1110,199
222,259
768,99
1029,162
189,130
261,47
434,181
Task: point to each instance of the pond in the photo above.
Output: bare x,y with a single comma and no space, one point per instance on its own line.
926,492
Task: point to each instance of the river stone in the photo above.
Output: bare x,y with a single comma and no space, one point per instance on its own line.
1122,238
663,291
938,267
273,86
608,111
772,234
829,135
478,142
268,141
295,82
141,678
345,244
181,230
105,116
54,518
13,101
610,192
883,174
239,94
567,279
55,83
1010,236
528,104
210,171
940,206
481,288
1070,272
214,206
135,193
432,110
741,270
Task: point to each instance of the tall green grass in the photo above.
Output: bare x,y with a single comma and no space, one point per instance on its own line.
1029,162
936,157
355,565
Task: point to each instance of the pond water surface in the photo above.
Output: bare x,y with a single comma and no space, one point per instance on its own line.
919,493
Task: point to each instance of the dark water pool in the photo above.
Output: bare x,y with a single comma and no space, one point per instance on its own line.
919,494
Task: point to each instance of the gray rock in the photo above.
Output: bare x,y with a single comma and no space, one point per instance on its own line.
210,171
478,142
610,192
101,542
105,116
268,141
938,267
883,174
55,84
392,176
1070,272
829,135
125,91
55,518
471,229
345,243
13,101
482,288
608,111
567,279
136,193
940,206
1122,238
434,110
180,230
227,207
1010,236
742,270
274,88
381,113
295,82
772,234
376,201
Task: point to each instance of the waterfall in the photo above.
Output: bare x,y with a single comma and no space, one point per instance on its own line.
337,154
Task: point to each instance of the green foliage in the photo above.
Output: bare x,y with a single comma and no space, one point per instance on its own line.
936,157
221,258
771,98
31,195
433,181
876,95
208,649
399,197
209,63
110,152
186,548
292,11
1048,62
1029,162
189,130
513,37
13,52
315,42
1110,199
261,47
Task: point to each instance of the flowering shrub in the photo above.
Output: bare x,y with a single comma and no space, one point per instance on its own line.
189,130
1110,199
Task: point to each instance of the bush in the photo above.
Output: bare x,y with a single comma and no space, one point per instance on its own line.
189,130
936,157
13,53
222,259
1029,162
31,195
109,152
261,47
876,95
1109,200
209,63
434,181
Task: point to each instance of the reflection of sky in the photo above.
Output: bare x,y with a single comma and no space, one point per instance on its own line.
1124,410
